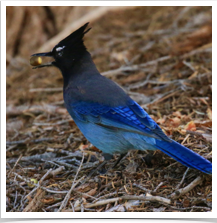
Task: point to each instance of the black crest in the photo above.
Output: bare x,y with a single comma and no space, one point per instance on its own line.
75,38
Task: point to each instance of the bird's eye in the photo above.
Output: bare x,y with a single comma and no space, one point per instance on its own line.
60,53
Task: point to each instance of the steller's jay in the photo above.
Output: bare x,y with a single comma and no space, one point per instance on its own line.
104,113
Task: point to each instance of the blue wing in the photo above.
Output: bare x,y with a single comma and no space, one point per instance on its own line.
134,119
129,118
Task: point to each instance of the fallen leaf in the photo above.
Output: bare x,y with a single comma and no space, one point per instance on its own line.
208,137
177,114
198,38
191,126
175,121
209,113
95,149
161,121
131,167
77,204
182,131
86,187
131,203
48,200
160,209
207,123
14,126
204,101
82,147
186,203
91,193
118,208
71,123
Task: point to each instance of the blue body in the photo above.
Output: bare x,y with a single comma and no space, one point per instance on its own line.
122,128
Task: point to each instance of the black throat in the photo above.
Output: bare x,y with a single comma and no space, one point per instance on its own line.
80,69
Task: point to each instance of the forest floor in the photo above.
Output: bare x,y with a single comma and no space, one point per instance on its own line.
162,57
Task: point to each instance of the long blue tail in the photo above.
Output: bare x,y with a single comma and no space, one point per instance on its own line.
185,156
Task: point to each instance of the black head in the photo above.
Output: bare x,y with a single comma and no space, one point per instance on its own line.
66,52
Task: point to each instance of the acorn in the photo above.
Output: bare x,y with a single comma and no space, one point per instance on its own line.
35,61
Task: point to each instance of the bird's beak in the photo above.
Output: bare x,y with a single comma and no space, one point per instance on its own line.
37,62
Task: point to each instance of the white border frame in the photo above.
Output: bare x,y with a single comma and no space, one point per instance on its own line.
3,111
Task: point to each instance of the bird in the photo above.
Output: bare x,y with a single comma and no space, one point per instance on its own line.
106,115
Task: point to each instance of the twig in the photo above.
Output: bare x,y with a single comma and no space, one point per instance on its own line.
184,140
140,84
54,191
158,186
99,203
51,124
82,207
183,178
15,200
163,97
14,165
11,147
35,158
67,165
70,155
193,207
172,164
53,173
85,194
142,188
36,203
22,178
117,208
53,206
147,198
79,168
185,190
66,199
39,183
180,16
194,133
127,197
121,70
90,165
26,141
188,65
135,67
107,195
44,177
46,89
73,209
206,48
33,110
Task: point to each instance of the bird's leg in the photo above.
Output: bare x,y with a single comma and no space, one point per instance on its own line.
116,162
107,157
97,168
119,159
